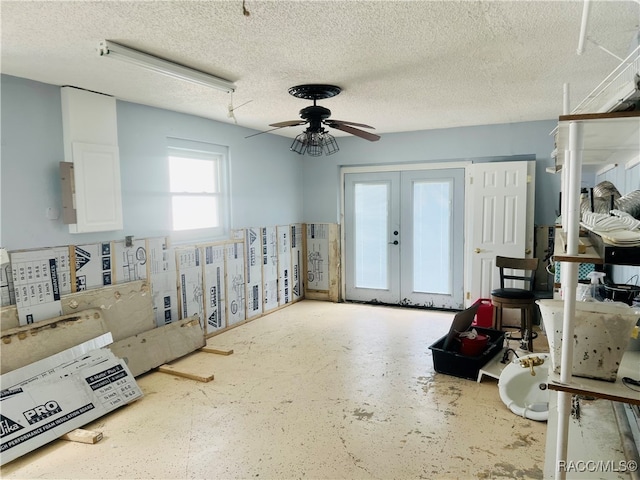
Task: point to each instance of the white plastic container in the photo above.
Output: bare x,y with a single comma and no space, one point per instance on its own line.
602,331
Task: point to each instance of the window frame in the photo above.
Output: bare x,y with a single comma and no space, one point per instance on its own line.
201,151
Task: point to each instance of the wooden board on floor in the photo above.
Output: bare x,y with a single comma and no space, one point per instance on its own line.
29,343
197,366
217,351
176,370
83,436
148,350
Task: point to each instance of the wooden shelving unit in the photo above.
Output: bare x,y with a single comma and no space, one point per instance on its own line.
605,138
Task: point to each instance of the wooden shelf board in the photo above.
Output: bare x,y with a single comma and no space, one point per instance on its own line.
559,255
599,116
607,137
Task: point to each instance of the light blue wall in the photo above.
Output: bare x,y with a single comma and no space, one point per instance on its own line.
266,178
519,141
31,124
270,185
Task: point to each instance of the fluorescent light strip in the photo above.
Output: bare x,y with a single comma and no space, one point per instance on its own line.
107,48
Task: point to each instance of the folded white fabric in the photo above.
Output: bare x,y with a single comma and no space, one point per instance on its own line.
603,222
627,219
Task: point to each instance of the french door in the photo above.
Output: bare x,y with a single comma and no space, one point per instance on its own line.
404,237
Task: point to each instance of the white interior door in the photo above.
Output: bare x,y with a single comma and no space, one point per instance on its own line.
498,200
404,237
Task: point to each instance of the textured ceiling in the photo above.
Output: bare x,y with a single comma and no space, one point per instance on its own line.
403,66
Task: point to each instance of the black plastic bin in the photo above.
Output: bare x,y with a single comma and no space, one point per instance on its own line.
453,363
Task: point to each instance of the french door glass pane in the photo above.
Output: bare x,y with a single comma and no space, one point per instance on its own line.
371,227
432,215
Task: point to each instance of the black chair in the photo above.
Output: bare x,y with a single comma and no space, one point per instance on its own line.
520,269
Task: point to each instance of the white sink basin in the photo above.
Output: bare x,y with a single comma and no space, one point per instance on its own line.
525,394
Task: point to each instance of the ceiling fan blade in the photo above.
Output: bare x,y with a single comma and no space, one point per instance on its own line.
355,131
353,124
265,131
288,123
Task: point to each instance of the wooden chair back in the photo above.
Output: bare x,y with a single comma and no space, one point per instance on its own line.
523,269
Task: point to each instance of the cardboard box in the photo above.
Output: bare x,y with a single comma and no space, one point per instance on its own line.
91,266
161,259
235,285
191,297
317,256
297,289
65,397
284,264
214,288
40,278
269,268
253,262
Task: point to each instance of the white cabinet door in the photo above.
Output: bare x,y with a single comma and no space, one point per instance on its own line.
98,198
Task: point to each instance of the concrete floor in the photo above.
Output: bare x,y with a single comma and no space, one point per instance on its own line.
315,390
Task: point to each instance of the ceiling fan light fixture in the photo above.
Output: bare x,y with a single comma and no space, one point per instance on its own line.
299,144
315,141
330,145
314,144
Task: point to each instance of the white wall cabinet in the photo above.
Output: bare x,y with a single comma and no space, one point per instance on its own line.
91,143
98,200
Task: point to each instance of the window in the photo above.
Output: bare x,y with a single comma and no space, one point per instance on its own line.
198,189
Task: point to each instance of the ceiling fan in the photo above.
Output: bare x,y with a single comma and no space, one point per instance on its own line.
315,139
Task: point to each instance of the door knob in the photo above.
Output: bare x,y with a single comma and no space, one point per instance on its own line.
395,232
395,242
478,250
527,251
